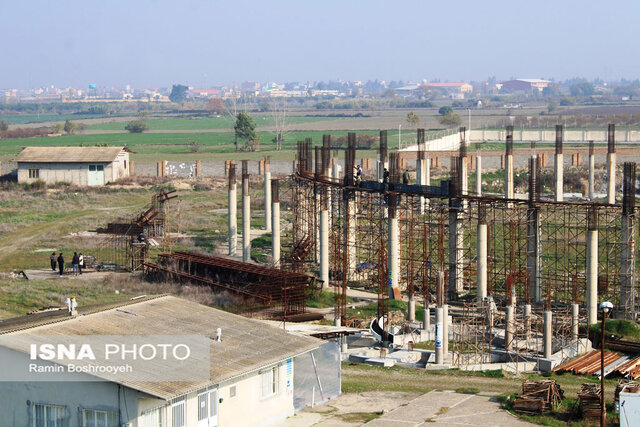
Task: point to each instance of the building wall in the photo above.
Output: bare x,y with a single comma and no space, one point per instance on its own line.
75,173
16,404
119,167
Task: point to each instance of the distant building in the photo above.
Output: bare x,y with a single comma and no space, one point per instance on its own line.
524,85
452,86
205,93
77,165
258,374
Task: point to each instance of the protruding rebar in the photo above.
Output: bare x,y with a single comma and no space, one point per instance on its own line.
559,138
611,138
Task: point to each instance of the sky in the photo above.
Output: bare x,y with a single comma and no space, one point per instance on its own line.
206,43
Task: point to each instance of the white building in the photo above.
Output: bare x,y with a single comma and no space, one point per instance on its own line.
77,165
253,379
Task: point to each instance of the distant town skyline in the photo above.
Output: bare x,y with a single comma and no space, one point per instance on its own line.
205,43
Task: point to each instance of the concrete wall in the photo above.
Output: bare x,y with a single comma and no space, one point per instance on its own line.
549,135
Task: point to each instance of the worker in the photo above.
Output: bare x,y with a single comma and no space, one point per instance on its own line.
75,262
52,258
80,262
385,176
61,263
406,177
358,175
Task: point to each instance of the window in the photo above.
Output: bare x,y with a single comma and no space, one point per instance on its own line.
208,408
232,391
152,418
49,415
178,414
269,382
96,168
34,173
99,418
125,164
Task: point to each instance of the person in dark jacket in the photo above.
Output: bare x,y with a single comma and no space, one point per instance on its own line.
52,258
61,263
76,263
406,178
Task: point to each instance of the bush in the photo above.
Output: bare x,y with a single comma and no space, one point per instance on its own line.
137,126
38,184
194,145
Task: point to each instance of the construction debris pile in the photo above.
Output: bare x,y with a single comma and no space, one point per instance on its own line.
590,401
538,397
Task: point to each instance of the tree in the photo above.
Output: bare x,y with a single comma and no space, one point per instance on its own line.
136,126
279,111
178,93
57,127
215,105
582,89
413,119
450,119
245,129
4,126
69,127
443,111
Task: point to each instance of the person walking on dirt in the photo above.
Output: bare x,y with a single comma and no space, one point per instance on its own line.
52,258
61,263
75,262
80,262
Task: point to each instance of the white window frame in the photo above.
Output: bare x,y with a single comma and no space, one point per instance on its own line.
270,382
153,417
34,173
98,412
208,414
176,404
47,407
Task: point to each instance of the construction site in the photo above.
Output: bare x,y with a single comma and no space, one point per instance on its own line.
508,280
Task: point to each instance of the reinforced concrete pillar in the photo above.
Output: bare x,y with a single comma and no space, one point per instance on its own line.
611,164
592,171
482,257
233,211
575,311
478,175
627,266
559,166
508,165
352,260
324,247
267,196
456,253
426,320
420,177
412,309
508,327
547,334
527,319
246,218
393,262
275,223
445,330
439,335
534,260
592,267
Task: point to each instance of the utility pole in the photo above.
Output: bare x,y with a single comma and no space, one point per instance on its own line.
399,135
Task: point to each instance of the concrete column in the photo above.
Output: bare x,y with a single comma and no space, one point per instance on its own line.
592,276
508,178
527,319
275,233
246,222
627,266
267,196
393,262
412,309
482,261
534,260
233,220
324,247
508,327
558,167
592,171
439,335
464,176
445,331
478,175
456,253
547,335
427,171
575,310
352,260
426,318
611,173
420,179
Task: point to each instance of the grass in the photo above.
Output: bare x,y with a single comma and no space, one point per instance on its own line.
371,310
324,300
626,329
359,417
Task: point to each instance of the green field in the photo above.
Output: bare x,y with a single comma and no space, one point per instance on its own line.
148,147
20,119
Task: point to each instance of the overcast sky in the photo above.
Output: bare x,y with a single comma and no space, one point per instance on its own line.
203,43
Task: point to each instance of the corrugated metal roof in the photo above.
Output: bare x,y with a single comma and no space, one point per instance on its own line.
247,345
68,154
613,363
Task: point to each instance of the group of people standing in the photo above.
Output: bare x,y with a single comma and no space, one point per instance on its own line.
58,260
